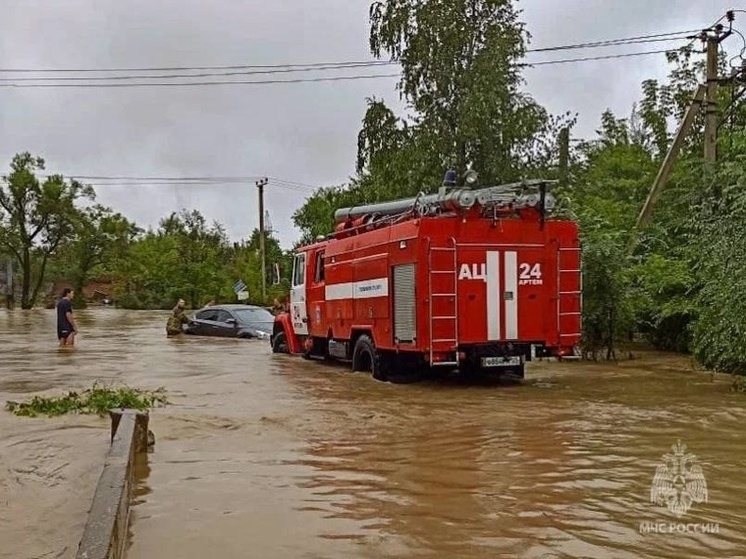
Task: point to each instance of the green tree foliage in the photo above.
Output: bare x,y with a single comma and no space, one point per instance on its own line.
201,252
35,218
316,217
680,285
99,238
718,261
461,78
188,258
184,258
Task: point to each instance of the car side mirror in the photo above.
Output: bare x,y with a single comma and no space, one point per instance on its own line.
231,321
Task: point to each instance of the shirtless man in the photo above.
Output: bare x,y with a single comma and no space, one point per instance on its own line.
66,326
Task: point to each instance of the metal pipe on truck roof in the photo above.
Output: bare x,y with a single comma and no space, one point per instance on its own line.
453,200
384,208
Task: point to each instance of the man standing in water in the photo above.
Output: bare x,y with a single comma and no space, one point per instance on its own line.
66,326
177,319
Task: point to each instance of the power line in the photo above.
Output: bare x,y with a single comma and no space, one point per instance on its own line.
147,184
199,83
298,80
304,67
588,58
199,75
293,183
712,26
175,179
199,68
121,181
277,71
660,37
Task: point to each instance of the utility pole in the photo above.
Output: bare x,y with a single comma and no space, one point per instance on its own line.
670,158
705,97
260,184
711,117
564,156
712,39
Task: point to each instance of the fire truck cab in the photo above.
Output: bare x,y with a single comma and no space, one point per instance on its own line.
475,280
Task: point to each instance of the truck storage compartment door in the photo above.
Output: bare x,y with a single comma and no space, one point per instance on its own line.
472,293
535,287
405,304
502,293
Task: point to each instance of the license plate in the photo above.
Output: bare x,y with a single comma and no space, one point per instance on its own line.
502,361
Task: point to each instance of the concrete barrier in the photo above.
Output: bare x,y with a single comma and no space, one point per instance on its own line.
105,534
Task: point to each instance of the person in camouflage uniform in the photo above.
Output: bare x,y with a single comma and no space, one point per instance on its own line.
177,319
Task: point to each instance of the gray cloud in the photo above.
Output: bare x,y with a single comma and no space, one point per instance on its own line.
301,132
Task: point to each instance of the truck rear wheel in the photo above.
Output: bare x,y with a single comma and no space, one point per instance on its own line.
365,357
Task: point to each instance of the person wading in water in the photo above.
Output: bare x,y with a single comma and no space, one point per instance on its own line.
177,319
66,326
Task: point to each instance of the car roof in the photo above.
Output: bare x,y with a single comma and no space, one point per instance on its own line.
233,306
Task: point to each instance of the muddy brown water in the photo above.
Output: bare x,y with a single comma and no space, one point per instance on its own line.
275,457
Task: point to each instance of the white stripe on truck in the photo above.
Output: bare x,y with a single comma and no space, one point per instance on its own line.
366,289
493,296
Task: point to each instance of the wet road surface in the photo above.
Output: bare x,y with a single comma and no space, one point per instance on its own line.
272,456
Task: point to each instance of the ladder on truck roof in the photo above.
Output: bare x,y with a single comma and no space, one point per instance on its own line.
443,302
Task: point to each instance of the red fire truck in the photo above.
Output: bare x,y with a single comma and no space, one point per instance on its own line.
479,280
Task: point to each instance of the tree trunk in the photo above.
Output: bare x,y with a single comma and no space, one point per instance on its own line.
610,340
79,281
40,279
26,303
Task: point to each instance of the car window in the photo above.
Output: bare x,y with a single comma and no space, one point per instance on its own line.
223,316
255,315
210,314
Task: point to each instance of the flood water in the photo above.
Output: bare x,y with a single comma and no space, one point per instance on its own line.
275,457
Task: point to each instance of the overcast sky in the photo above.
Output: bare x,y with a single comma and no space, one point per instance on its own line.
303,133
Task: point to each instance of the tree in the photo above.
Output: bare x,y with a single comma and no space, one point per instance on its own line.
100,236
316,216
203,252
461,82
35,217
461,77
144,274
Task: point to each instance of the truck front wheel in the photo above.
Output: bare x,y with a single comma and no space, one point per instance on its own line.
280,343
365,357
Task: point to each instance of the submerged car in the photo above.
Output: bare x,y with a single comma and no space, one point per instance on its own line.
232,321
